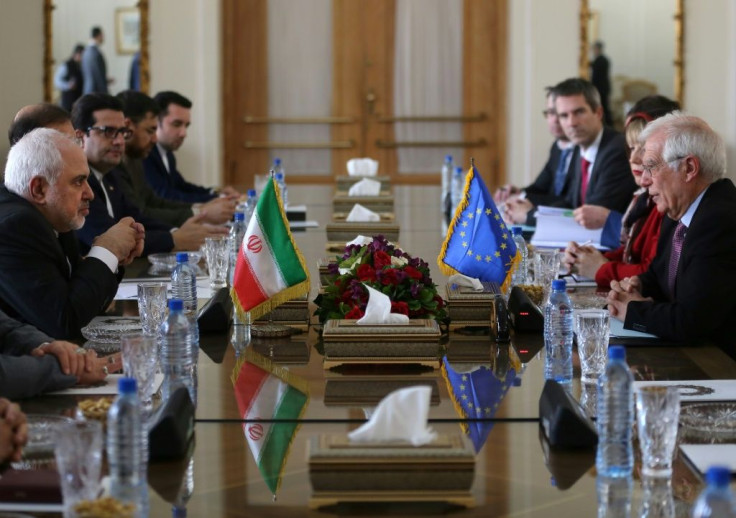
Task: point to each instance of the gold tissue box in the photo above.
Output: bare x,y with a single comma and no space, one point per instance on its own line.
344,203
441,471
293,313
417,342
348,230
467,307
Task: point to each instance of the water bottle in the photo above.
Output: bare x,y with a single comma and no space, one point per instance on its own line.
558,332
445,196
278,167
615,456
522,270
250,205
179,352
186,489
184,283
457,188
614,496
281,182
716,499
237,231
127,450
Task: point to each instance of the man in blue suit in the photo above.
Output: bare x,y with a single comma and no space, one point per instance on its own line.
94,68
160,165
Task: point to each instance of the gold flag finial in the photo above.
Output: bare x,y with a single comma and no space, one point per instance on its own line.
472,162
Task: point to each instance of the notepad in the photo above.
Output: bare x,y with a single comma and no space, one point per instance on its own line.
618,331
703,456
556,228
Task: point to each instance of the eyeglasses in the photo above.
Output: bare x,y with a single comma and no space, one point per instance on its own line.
111,131
651,169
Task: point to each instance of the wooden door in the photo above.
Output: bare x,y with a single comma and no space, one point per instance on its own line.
361,118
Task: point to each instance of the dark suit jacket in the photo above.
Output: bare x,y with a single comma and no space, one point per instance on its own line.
132,181
94,70
22,375
37,284
158,233
542,191
704,304
172,185
611,183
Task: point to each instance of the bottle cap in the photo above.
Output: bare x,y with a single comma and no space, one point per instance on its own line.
617,352
279,176
559,285
458,170
239,216
516,231
182,257
179,512
719,476
448,158
127,386
251,193
277,161
176,304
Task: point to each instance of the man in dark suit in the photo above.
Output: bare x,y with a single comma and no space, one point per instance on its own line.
43,279
160,165
552,183
94,68
98,120
602,174
687,294
600,76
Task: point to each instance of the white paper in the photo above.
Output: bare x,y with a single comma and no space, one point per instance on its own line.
378,310
362,167
556,228
697,390
359,213
109,388
365,187
464,280
703,456
128,290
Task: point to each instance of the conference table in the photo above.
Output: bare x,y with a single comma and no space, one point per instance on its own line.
517,473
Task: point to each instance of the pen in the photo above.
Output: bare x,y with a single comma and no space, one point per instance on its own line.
588,242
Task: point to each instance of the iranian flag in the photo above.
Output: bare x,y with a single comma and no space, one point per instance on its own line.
270,269
264,391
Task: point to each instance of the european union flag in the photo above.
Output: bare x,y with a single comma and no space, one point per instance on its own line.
476,395
478,244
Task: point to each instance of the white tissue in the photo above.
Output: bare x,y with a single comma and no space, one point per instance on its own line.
362,167
378,310
360,240
365,187
464,280
360,213
400,416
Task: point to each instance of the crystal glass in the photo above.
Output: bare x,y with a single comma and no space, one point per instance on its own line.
152,306
140,359
217,252
657,414
78,452
546,268
592,327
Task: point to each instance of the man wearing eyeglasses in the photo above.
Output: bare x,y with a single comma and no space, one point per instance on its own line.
687,294
99,121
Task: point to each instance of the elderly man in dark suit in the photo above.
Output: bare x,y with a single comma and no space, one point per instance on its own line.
687,294
43,279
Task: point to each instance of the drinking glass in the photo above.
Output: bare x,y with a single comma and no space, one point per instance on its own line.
546,268
152,306
592,327
78,452
657,414
216,250
140,358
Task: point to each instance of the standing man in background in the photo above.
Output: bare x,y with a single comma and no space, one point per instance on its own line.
94,68
69,79
600,76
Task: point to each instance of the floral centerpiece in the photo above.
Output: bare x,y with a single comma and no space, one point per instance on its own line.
384,267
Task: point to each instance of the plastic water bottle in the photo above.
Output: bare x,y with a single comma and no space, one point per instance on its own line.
237,231
716,500
614,496
281,182
445,197
558,332
250,205
456,189
186,489
522,270
127,451
184,283
179,352
278,167
615,456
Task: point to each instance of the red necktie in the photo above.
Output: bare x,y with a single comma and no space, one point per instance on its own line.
585,169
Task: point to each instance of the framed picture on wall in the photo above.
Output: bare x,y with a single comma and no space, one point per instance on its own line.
127,30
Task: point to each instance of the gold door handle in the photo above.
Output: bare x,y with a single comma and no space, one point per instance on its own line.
370,99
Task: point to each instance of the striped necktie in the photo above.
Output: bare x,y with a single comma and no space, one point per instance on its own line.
677,240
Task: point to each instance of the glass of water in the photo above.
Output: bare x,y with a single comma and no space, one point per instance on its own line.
592,327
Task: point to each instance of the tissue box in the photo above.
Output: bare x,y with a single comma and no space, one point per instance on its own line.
385,217
347,231
344,203
293,313
345,182
442,471
361,390
322,266
467,307
346,342
290,350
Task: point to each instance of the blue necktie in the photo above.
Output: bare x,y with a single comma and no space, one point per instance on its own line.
561,172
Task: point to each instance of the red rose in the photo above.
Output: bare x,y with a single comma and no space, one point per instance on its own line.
389,277
355,313
440,301
366,273
413,272
381,259
400,307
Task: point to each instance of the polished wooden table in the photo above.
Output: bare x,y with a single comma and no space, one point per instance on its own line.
516,473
